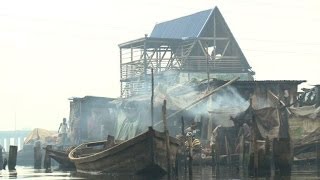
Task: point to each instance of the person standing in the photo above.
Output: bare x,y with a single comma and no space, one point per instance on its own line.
63,128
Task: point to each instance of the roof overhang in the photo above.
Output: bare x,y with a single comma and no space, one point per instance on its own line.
149,42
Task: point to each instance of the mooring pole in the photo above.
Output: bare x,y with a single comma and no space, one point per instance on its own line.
318,157
241,157
255,148
217,154
12,157
164,110
268,157
190,157
184,147
1,158
47,159
152,96
37,155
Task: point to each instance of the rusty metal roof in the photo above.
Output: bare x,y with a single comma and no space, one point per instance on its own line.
183,27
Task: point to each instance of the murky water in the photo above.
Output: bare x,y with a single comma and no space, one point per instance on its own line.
203,173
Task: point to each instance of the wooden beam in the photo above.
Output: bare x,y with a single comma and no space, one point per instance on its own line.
279,100
214,38
202,98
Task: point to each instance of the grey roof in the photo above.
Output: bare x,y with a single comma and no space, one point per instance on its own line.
187,26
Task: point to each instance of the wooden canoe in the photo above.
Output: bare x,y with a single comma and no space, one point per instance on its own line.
144,154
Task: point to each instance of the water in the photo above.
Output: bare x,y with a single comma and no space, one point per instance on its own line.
23,172
204,173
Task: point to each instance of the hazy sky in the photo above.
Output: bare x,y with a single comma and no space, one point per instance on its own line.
53,50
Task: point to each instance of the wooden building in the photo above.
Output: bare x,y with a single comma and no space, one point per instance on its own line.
199,46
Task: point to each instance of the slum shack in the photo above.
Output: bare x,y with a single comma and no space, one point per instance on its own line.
305,117
305,128
91,118
228,109
266,118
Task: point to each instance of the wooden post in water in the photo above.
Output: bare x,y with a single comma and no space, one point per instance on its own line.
241,155
190,154
318,157
47,159
255,148
37,155
152,96
227,150
184,147
12,157
164,110
217,154
1,157
267,162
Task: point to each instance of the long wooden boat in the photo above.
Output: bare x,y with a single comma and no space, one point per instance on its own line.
61,156
144,154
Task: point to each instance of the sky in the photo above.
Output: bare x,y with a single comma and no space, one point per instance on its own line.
53,50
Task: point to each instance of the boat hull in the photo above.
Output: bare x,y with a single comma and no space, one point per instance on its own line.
143,154
61,157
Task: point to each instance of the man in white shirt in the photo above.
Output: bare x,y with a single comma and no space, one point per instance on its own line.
63,128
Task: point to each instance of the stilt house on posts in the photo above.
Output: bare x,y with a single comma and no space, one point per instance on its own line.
196,47
199,46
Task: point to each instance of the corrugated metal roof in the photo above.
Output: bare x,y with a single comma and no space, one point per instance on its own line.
187,26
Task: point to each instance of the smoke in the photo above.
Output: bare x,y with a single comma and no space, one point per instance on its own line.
222,105
134,114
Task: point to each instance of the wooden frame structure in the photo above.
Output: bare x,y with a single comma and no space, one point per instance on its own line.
200,43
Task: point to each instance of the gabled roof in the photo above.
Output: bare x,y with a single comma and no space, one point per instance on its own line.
204,24
187,26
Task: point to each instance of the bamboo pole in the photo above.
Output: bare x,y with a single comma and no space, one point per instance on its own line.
164,109
190,154
182,127
318,157
152,96
255,153
279,100
227,150
241,155
217,154
204,97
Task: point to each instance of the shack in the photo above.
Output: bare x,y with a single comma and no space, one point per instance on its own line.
184,61
91,118
188,57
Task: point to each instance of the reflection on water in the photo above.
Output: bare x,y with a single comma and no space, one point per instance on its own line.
199,173
22,172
